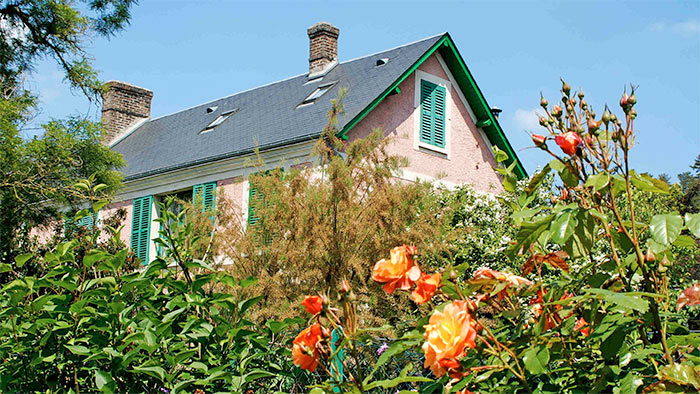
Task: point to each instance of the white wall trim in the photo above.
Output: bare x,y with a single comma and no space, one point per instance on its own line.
411,176
417,144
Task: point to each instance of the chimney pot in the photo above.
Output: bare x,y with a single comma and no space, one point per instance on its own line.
123,106
323,48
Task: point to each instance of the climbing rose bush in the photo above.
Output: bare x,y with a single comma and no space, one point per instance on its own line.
589,307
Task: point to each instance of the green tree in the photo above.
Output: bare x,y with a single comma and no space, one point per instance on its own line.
690,185
37,174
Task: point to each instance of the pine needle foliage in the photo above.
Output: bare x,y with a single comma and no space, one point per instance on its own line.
331,221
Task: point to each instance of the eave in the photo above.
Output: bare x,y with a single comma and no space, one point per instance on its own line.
485,119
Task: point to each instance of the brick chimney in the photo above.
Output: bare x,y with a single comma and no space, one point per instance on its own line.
123,106
323,47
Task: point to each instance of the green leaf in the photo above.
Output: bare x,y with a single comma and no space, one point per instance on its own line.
648,183
537,179
536,359
499,154
610,347
96,206
666,228
78,349
683,374
5,268
249,281
23,258
692,222
630,383
598,181
567,176
243,306
104,381
92,257
156,372
564,225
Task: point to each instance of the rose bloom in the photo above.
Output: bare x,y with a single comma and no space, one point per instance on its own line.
568,142
426,287
690,296
401,271
580,323
313,304
304,351
447,336
487,278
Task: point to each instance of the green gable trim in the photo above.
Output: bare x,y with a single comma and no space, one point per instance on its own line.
141,227
485,119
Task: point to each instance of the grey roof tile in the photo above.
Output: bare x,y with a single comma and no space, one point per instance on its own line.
267,116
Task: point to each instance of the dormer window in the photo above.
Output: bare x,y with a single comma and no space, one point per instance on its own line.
219,120
316,94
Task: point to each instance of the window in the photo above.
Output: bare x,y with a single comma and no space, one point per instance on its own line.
255,197
316,94
141,227
204,194
87,222
219,120
432,114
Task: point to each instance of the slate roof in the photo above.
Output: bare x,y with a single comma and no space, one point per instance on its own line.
267,116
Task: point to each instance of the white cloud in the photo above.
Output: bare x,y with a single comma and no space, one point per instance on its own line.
689,28
527,119
658,26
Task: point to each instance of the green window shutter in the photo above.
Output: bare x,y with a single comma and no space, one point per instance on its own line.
253,196
141,227
432,113
205,194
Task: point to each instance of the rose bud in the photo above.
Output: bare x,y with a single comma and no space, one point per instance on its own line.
565,87
633,113
584,104
564,194
580,94
556,111
593,115
613,118
344,286
538,140
632,99
624,100
593,125
590,141
543,121
569,108
543,102
650,255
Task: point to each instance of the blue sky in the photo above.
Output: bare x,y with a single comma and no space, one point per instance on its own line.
190,52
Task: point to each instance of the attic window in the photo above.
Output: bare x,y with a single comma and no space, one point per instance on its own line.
219,120
316,94
382,61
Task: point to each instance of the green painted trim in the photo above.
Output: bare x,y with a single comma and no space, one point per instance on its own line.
381,97
493,130
483,123
494,127
397,90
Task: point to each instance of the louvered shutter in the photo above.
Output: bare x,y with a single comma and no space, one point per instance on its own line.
432,114
253,197
141,227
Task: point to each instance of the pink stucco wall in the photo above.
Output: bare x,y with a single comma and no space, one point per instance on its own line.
233,189
109,210
470,160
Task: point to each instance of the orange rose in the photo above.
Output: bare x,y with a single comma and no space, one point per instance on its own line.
401,271
568,142
447,336
690,296
313,304
488,279
580,323
426,287
305,354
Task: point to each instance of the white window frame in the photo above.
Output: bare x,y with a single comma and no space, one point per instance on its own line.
417,143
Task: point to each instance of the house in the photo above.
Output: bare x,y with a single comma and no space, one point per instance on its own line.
421,93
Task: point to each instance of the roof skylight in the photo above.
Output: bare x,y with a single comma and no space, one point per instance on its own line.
316,94
219,120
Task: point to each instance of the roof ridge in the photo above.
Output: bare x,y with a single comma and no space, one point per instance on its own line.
292,77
